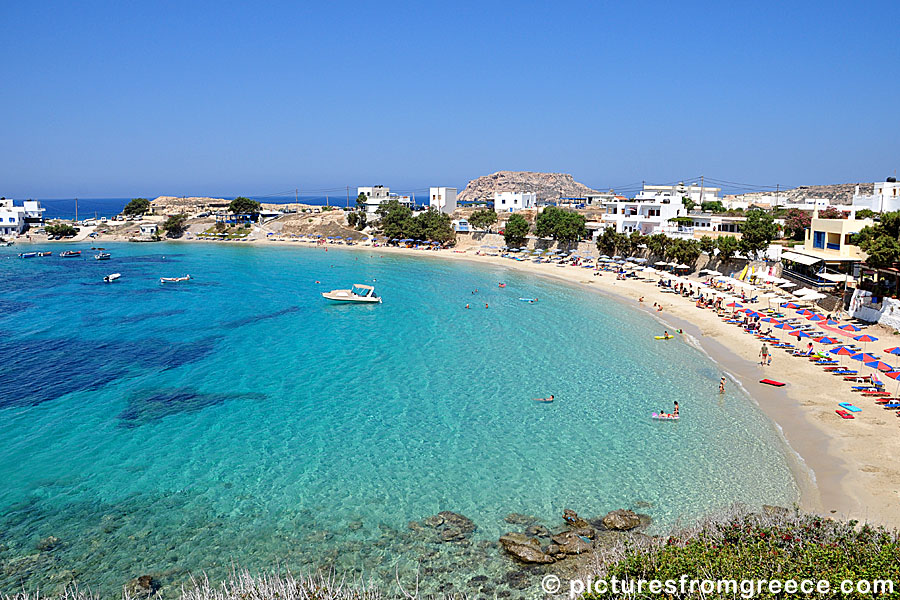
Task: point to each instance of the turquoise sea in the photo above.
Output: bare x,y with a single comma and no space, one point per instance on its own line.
241,419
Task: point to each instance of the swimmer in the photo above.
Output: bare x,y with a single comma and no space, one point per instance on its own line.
722,386
550,399
467,306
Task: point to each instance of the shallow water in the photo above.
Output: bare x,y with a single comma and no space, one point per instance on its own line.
241,417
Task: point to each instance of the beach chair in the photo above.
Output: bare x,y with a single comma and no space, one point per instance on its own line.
804,353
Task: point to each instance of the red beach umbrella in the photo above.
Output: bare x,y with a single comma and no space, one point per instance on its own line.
881,366
790,305
849,327
842,351
815,318
865,339
826,340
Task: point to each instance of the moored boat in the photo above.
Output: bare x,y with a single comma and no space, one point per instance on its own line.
103,256
357,293
45,253
112,277
27,254
175,279
70,253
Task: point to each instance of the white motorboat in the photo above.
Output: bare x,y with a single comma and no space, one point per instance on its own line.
357,293
174,279
112,277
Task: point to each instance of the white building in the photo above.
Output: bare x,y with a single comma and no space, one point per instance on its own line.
645,215
514,201
377,194
14,219
674,193
443,199
149,229
886,197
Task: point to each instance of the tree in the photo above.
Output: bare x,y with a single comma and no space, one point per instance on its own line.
832,213
483,218
516,230
727,246
757,232
175,225
866,213
432,225
714,206
608,240
684,251
138,206
244,206
688,203
362,221
561,225
637,239
395,219
796,222
881,241
707,245
60,229
361,201
658,243
353,219
883,252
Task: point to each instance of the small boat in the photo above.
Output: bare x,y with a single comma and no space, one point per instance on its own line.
112,277
46,253
71,253
103,256
665,417
27,254
358,293
174,279
663,337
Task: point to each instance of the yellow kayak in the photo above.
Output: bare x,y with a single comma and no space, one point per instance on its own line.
664,337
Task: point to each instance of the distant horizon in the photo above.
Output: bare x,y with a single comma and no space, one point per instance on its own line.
340,193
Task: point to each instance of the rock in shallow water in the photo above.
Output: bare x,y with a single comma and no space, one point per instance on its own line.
141,586
519,519
537,531
621,520
571,517
524,548
569,542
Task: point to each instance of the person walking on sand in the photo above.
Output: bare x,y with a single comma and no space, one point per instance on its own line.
722,385
763,354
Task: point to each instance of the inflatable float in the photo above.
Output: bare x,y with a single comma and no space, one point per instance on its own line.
850,407
844,414
665,417
772,382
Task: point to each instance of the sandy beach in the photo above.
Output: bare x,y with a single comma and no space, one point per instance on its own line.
844,468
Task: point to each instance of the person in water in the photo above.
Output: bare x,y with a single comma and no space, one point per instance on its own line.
675,412
550,399
722,386
666,334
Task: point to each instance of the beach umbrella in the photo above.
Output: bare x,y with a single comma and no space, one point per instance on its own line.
805,312
734,305
894,375
826,340
865,339
895,350
864,357
799,334
790,305
849,327
662,263
770,320
831,322
842,351
815,318
877,364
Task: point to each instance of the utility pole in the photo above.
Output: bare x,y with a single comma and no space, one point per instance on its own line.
326,199
348,196
777,189
76,210
297,195
701,191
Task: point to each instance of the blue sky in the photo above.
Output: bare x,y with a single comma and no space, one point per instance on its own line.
110,99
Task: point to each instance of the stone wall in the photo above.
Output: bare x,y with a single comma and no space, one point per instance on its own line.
886,311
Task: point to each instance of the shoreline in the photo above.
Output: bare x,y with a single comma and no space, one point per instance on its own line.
836,475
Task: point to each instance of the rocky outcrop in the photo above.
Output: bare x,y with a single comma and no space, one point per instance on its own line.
547,186
621,520
524,548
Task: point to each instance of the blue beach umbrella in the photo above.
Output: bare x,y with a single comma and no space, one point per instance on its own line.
877,364
849,327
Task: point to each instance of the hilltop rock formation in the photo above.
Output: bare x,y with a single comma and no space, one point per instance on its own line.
838,193
547,186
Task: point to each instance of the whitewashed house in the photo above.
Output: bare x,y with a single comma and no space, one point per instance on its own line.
885,197
443,199
15,219
514,201
377,194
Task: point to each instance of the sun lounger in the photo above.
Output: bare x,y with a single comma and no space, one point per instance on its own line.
892,406
844,372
